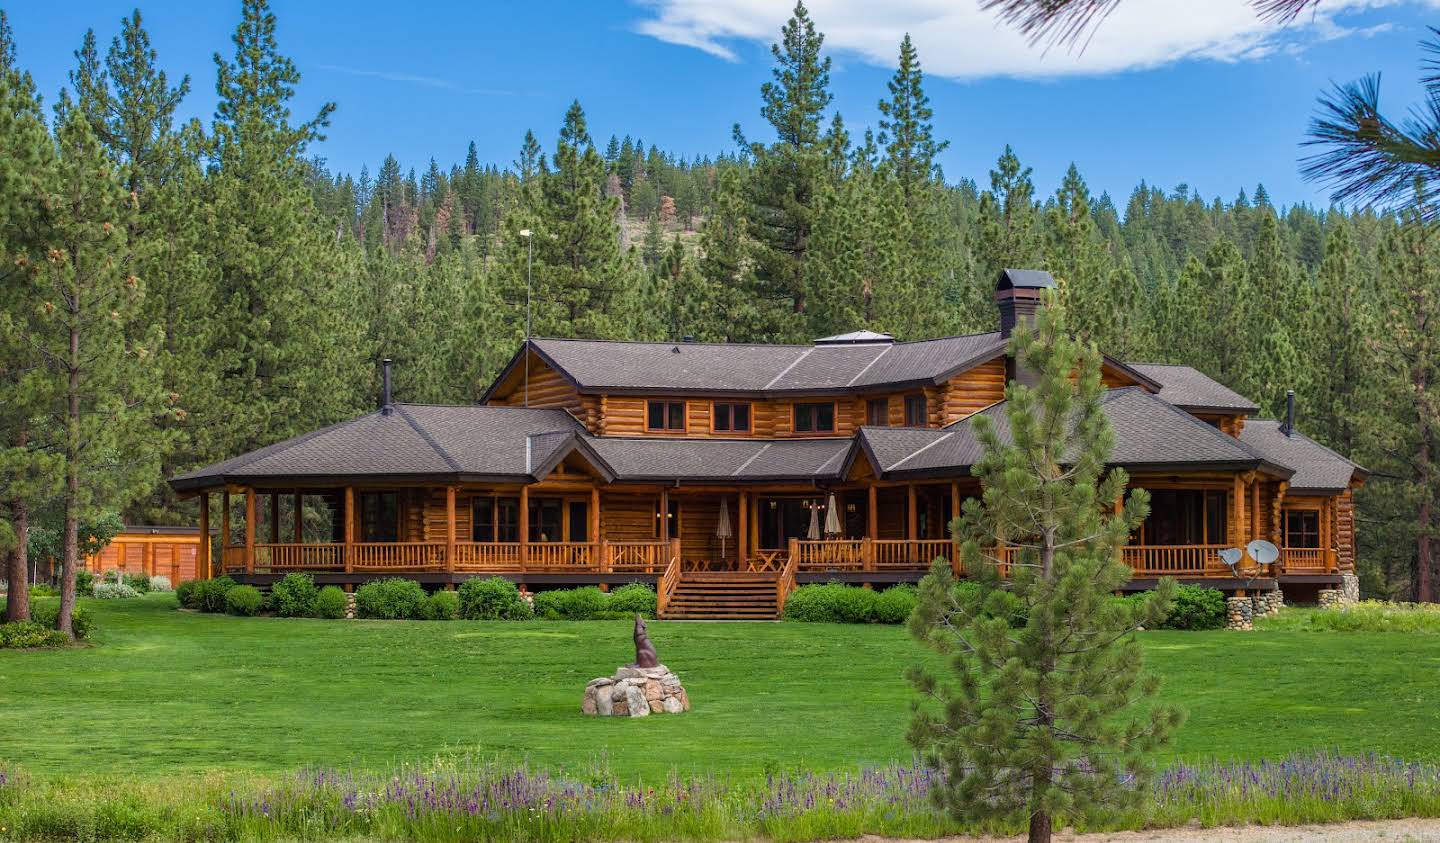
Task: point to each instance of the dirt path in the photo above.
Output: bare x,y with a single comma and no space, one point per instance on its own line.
1388,831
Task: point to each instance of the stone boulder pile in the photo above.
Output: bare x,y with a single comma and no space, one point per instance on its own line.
635,692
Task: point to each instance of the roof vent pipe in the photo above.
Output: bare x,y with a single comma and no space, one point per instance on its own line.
1289,426
386,405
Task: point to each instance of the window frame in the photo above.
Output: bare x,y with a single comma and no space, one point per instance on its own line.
372,504
871,405
812,411
1302,514
924,406
669,405
731,406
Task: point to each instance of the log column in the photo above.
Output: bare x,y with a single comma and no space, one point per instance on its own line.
224,526
665,515
949,533
349,529
450,529
524,526
742,542
250,511
912,522
872,513
202,558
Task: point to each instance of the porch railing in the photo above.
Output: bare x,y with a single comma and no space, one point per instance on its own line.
398,556
1193,560
1307,560
870,554
299,557
643,557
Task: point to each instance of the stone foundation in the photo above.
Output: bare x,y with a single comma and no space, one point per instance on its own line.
1267,603
349,605
635,692
1350,588
1239,613
1331,598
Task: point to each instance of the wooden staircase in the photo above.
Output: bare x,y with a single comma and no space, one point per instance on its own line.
728,596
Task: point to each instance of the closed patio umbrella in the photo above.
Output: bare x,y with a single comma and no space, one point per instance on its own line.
813,534
832,517
722,527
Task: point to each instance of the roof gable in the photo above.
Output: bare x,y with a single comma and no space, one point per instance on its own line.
1318,470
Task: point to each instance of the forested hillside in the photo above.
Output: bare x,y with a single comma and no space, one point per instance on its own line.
177,294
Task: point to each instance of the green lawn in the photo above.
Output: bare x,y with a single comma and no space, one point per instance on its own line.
166,692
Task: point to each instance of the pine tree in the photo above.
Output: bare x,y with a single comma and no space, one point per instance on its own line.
905,129
1039,725
1009,235
1340,328
1100,296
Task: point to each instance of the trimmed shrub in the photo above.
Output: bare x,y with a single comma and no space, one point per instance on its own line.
830,603
294,596
84,583
244,600
82,623
492,599
330,603
390,599
210,594
160,583
894,604
23,635
114,591
442,606
1196,607
632,598
185,594
139,582
571,604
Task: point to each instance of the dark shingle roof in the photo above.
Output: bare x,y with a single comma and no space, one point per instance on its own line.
655,458
1318,470
1189,388
739,368
1149,433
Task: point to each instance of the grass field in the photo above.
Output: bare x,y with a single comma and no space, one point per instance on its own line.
165,692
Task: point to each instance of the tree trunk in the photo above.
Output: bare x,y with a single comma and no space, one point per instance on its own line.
1039,827
1424,545
71,555
1045,712
17,601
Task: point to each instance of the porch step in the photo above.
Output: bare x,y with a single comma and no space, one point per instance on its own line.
721,596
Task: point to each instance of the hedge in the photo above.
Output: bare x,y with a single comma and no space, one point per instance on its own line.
294,596
390,599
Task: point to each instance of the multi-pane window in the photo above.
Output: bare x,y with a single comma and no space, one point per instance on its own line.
815,417
379,516
1302,528
494,519
877,412
915,411
1185,517
665,415
731,417
546,520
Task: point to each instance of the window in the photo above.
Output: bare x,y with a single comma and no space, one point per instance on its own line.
915,411
1302,528
495,519
545,520
1186,517
731,417
665,415
815,417
877,412
379,516
579,521
672,517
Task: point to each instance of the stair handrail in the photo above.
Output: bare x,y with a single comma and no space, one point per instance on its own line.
786,583
668,581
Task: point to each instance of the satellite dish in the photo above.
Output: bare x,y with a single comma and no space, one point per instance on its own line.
1263,552
1231,556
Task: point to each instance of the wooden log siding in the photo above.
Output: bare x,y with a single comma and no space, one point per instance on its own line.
628,517
971,391
1345,531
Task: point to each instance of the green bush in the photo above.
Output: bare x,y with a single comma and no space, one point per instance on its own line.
244,600
159,583
1365,616
492,599
41,589
82,623
139,582
330,603
294,596
442,606
894,604
210,594
1196,607
185,594
570,604
84,583
390,599
831,603
115,591
632,598
23,635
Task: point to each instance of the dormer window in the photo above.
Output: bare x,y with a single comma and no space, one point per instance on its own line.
665,416
730,417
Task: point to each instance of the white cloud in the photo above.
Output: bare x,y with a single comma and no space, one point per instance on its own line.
957,39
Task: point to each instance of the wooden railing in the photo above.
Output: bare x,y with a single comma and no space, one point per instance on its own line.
299,557
645,557
488,557
561,556
905,554
232,558
785,584
665,588
871,554
398,556
1181,560
1307,560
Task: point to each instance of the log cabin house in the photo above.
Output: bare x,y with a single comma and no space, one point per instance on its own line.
172,552
726,474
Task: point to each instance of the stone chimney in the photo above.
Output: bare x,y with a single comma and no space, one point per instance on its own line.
1018,295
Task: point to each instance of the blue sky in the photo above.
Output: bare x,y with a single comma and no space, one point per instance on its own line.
1169,91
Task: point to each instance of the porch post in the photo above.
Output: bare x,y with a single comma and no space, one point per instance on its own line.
1237,504
299,517
1255,508
1325,534
743,541
950,534
224,525
524,526
665,514
250,529
450,528
595,515
912,522
872,513
349,529
599,546
202,558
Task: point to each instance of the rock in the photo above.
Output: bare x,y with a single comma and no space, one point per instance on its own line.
653,691
589,705
603,680
684,700
636,702
672,705
656,707
622,708
604,703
